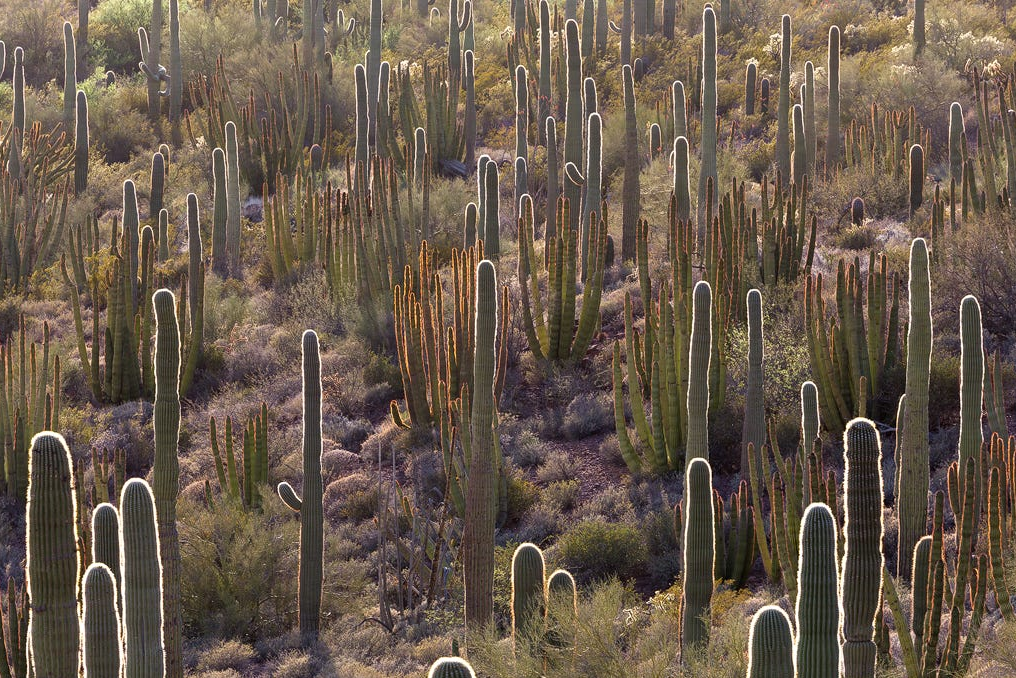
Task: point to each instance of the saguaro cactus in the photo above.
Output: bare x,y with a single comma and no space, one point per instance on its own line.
632,165
753,432
916,178
971,397
81,143
106,538
913,476
750,80
783,112
52,562
141,582
166,470
862,555
528,595
707,151
957,133
70,74
451,667
833,121
100,622
698,553
698,373
220,263
770,644
233,206
817,653
481,492
310,506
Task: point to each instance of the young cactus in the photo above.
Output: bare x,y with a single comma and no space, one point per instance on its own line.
817,653
770,644
100,623
698,553
310,506
451,667
709,120
141,582
52,561
528,595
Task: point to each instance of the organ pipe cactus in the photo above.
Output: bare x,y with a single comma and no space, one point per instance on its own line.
707,151
817,652
770,644
521,113
528,594
195,293
52,563
800,154
100,623
863,551
481,492
151,56
310,506
17,115
698,555
166,470
141,582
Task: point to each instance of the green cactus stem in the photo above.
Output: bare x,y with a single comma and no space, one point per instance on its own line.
100,623
783,111
916,178
971,397
141,582
750,81
770,644
528,596
817,653
707,151
698,553
106,538
220,263
698,373
451,667
81,142
52,561
753,433
833,119
631,188
957,134
70,74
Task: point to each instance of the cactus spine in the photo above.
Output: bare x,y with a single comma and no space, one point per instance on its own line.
141,582
100,622
310,506
52,561
817,653
528,571
166,470
770,644
913,476
481,492
783,112
862,555
833,121
698,552
80,143
754,431
707,151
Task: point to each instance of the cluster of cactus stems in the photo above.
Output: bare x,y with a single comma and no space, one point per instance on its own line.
543,608
241,480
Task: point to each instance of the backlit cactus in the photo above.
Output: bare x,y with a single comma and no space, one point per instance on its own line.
141,583
862,555
753,432
632,165
52,561
698,374
528,594
106,538
817,651
698,552
707,150
100,623
783,111
451,667
770,644
833,105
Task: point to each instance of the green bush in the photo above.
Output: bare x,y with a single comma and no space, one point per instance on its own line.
113,33
595,549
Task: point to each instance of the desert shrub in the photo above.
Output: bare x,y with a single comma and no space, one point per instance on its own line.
561,495
238,580
558,466
596,549
856,238
522,494
36,27
227,655
113,33
527,450
588,414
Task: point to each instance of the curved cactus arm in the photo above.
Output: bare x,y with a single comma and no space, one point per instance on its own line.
573,174
892,599
289,497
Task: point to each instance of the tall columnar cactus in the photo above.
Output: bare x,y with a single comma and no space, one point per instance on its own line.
195,293
481,492
491,208
310,506
141,582
106,538
469,121
770,644
753,432
521,112
158,187
810,421
528,595
817,652
70,85
361,149
808,101
783,111
632,165
100,623
588,26
707,150
151,57
80,143
913,476
52,561
916,178
679,107
166,470
451,667
682,180
800,156
698,553
573,121
373,67
833,120
698,373
220,264
233,206
750,80
17,114
919,39
83,8
971,397
593,198
175,69
862,555
957,134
